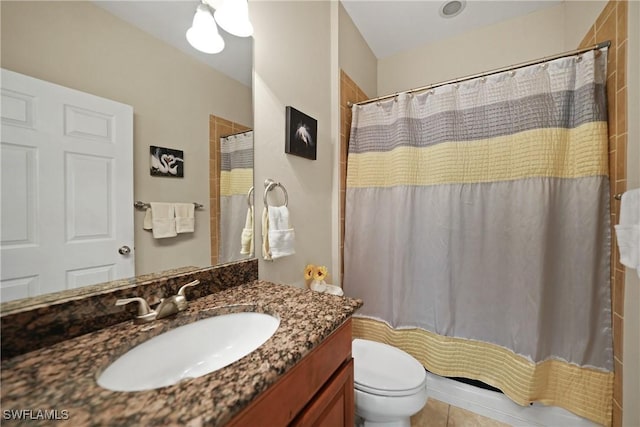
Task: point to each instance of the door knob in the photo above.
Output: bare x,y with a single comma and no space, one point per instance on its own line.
124,250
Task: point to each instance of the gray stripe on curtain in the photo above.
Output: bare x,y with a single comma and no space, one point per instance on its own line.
506,296
562,109
240,159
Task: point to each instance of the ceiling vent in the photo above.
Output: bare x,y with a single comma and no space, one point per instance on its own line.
452,8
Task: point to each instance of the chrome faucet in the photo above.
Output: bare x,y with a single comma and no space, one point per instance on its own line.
167,307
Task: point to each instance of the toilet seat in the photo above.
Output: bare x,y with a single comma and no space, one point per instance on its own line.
384,370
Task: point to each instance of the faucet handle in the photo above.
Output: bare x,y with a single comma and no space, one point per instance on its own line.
145,314
188,285
181,298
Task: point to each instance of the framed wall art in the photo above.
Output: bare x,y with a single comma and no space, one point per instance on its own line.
166,162
301,134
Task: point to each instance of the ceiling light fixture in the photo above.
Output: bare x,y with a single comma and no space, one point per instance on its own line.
203,34
452,8
233,17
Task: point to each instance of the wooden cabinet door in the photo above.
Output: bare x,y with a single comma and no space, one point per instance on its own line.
333,406
281,404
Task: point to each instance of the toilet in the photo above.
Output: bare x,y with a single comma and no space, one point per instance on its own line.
390,385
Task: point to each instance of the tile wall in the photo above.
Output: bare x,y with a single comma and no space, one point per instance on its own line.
612,25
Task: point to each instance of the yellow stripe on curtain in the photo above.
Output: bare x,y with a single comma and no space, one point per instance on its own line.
236,181
552,382
551,152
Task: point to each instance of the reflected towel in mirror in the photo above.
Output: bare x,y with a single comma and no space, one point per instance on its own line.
163,220
246,239
185,221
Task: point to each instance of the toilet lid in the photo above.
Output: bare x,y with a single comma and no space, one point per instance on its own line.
385,370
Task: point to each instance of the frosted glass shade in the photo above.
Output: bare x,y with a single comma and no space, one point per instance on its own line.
233,17
203,34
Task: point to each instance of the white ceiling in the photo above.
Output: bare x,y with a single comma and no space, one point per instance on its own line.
388,26
392,26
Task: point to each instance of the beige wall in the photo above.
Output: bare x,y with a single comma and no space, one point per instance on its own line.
79,45
293,66
546,32
579,16
631,340
510,42
356,58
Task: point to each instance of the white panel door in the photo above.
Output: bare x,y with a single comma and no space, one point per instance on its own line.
67,188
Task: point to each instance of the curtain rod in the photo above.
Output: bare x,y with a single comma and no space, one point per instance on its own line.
488,73
237,133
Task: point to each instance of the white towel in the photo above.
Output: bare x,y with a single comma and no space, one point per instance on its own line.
147,223
266,253
163,220
628,230
185,220
281,235
246,239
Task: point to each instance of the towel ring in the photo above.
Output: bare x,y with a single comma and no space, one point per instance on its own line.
250,197
269,185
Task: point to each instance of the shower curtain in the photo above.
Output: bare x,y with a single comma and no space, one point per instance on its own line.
236,179
477,231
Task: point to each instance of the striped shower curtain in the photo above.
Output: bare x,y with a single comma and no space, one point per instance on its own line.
477,231
236,178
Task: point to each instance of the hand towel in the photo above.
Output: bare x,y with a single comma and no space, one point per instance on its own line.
266,254
246,240
185,220
147,223
281,235
628,230
163,220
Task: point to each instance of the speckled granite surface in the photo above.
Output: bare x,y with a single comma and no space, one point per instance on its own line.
38,322
63,377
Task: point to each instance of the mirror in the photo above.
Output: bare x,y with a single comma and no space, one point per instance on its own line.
182,100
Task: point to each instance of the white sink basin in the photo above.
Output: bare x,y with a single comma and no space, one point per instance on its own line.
189,351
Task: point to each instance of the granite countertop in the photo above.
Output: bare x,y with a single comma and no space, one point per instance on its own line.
63,377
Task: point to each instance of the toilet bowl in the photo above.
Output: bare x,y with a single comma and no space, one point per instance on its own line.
390,385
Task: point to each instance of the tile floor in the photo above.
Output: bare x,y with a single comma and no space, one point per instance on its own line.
439,414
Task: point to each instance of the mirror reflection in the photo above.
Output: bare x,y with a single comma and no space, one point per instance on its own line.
236,197
136,54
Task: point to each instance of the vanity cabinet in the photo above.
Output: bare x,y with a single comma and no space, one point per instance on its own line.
318,391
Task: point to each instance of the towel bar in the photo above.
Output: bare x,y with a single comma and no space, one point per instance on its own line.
269,185
145,205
